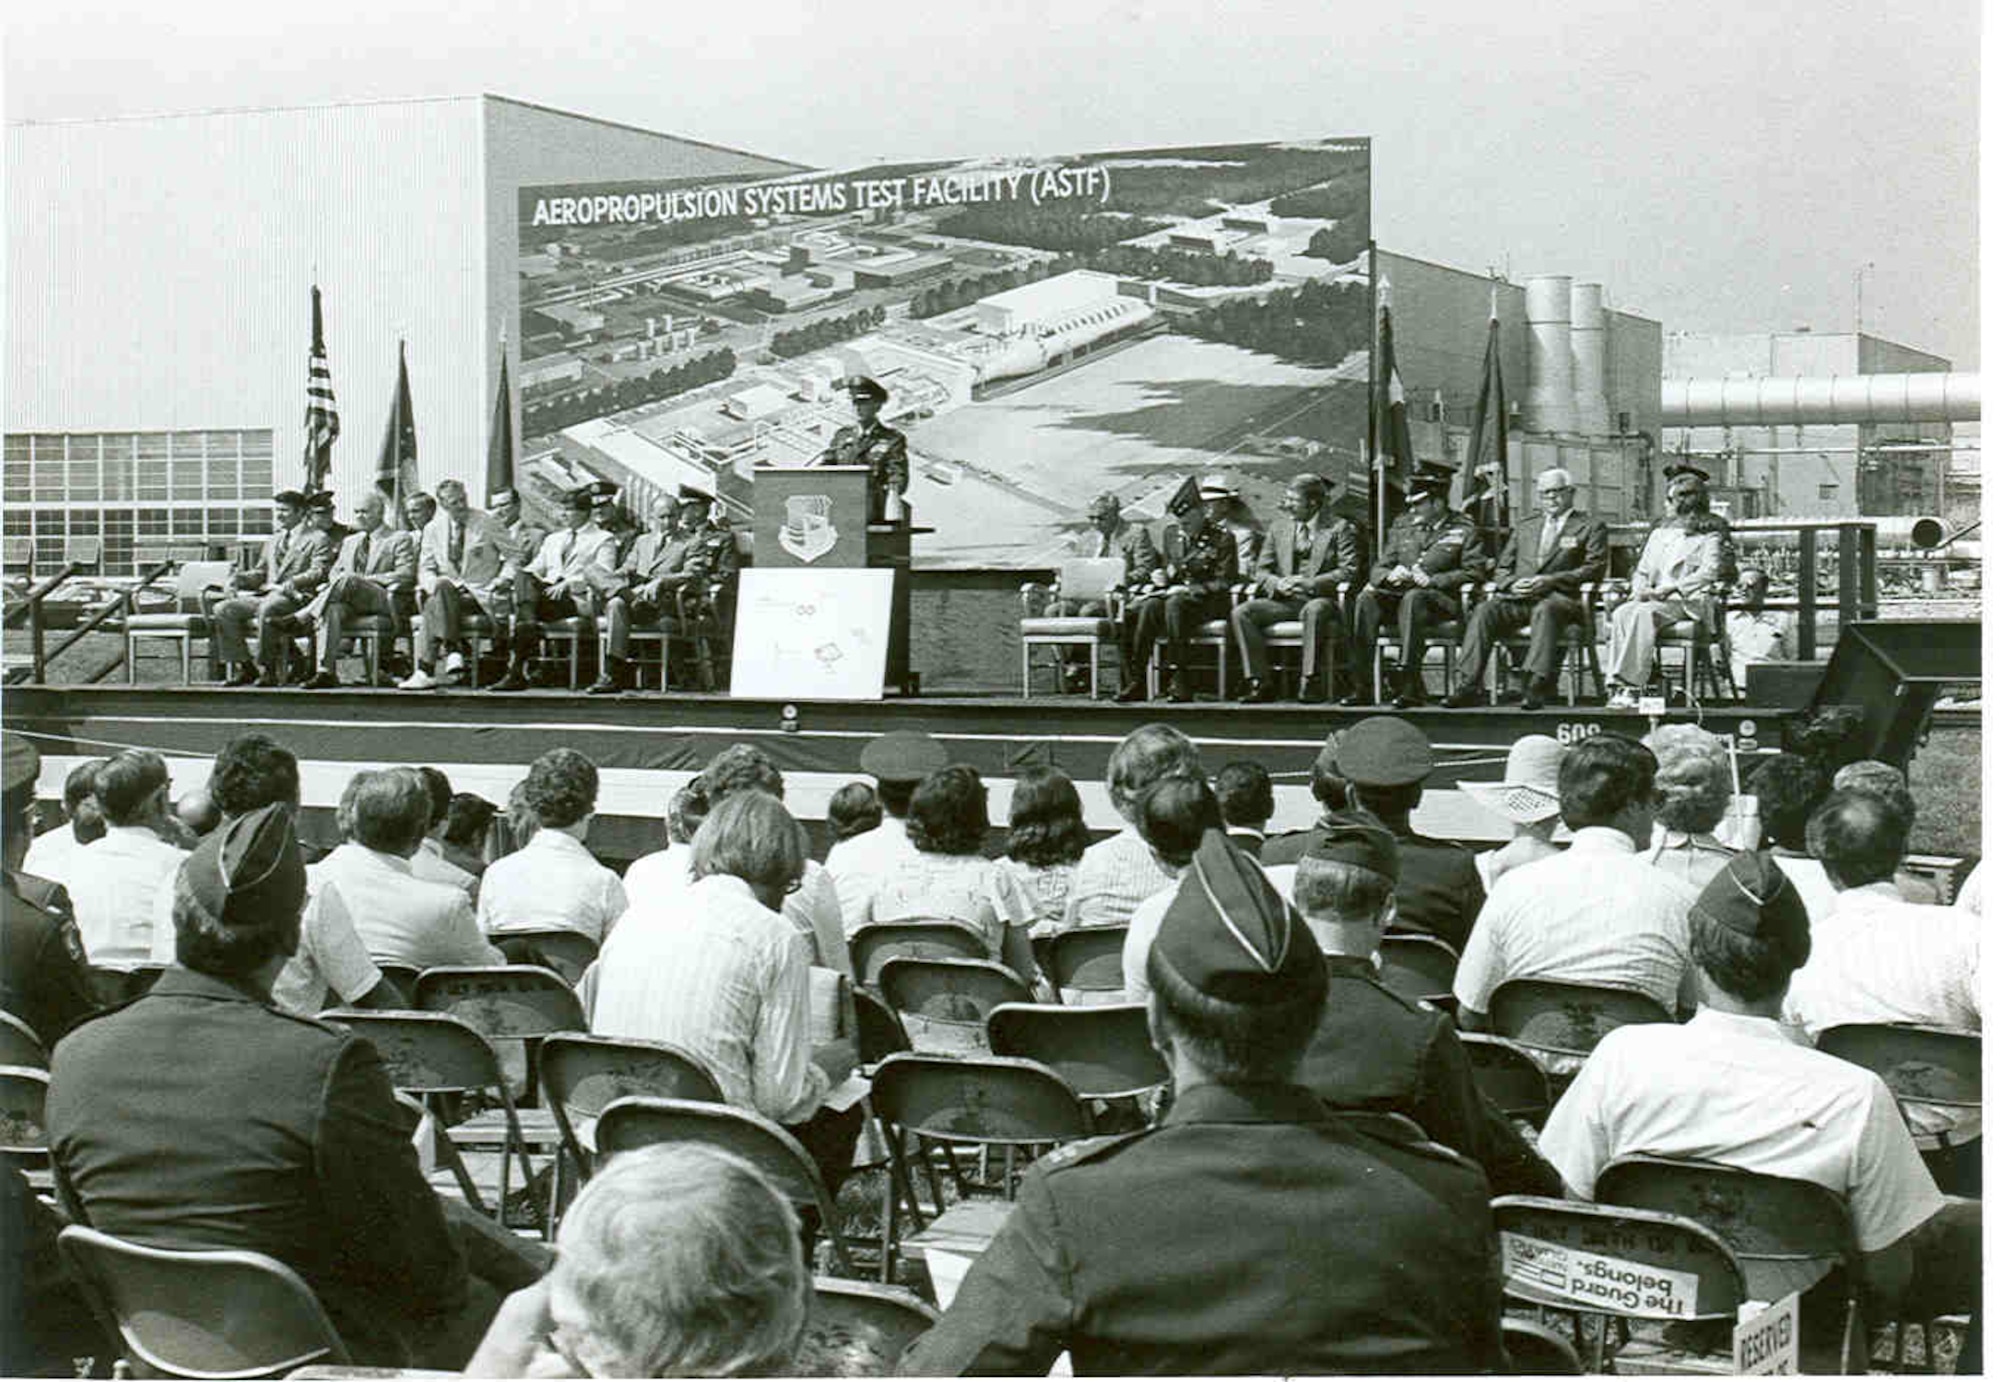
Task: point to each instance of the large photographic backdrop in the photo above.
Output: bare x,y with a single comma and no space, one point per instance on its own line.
1047,328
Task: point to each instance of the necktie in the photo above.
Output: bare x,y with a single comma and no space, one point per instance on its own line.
457,545
568,544
284,539
1104,544
1550,530
361,555
1303,541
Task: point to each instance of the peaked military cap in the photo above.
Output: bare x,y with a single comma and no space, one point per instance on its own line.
289,496
1184,498
861,386
903,755
1361,843
1384,751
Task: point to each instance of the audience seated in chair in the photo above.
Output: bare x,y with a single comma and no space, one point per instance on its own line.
1526,798
1174,816
117,882
553,883
43,979
1693,781
1115,875
1046,838
897,761
54,853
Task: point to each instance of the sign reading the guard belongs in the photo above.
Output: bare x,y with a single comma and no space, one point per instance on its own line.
1594,1281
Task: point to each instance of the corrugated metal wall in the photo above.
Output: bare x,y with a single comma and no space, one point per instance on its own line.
159,268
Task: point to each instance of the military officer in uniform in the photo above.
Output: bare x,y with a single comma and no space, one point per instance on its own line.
1300,569
872,443
1543,568
42,977
1254,1230
683,553
1429,554
1385,761
1379,1050
1191,586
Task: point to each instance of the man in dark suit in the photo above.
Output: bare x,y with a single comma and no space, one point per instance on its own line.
295,563
1543,568
1300,569
1254,1230
1190,586
374,575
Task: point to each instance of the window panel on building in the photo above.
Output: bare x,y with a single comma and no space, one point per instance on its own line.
86,522
83,466
50,467
51,523
17,523
190,472
119,480
187,523
224,524
152,465
118,557
153,523
16,483
257,521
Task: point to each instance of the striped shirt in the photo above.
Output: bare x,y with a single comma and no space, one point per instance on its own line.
1877,958
1115,876
1596,914
724,977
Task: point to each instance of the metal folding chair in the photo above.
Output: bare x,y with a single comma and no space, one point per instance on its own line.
1079,580
1418,967
1509,1077
859,1328
984,1102
1104,1051
878,941
19,1045
209,1314
641,1121
1087,964
1561,1024
943,1003
1535,1350
1538,1237
581,1074
1934,1072
24,1124
566,953
431,1056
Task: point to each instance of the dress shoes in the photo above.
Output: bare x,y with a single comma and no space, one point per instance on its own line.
515,680
269,681
1356,698
1134,690
1412,695
246,675
606,685
1178,690
1311,692
1465,698
1259,693
322,681
1537,694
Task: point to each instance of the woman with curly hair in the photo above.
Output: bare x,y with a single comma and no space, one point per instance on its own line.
950,880
1693,784
1045,839
553,883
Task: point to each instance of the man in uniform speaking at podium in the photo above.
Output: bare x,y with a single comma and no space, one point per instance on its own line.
872,443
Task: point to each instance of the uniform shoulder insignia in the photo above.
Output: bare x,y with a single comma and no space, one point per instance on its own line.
1089,1148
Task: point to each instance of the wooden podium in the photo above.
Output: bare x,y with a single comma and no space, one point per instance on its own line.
818,517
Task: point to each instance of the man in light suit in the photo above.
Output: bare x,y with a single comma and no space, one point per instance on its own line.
1543,569
295,565
465,557
1682,569
565,579
376,569
1300,569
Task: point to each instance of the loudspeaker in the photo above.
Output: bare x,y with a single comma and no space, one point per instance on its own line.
1892,673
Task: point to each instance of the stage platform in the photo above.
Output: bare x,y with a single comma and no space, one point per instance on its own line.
648,745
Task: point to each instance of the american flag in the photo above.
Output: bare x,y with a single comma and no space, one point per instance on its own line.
322,414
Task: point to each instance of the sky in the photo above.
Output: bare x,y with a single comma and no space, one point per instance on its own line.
1717,165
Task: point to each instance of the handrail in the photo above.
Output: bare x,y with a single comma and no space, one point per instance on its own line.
127,603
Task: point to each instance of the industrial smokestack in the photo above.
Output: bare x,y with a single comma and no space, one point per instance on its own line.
1589,353
1551,402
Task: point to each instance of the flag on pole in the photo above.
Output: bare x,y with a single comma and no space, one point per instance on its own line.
396,467
1482,479
322,415
500,445
1394,458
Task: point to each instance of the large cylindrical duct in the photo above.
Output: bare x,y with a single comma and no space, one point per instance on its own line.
1806,401
1589,354
1551,402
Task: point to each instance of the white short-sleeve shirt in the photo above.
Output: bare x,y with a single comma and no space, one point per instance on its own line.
1877,958
552,883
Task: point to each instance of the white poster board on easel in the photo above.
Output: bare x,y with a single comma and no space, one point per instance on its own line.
811,634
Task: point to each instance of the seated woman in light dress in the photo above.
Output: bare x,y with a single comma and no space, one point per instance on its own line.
949,880
1045,839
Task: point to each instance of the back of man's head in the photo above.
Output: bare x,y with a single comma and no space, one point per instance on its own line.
1859,836
1174,814
753,837
1243,789
1142,758
438,786
81,784
129,786
1882,781
561,788
388,811
253,770
1348,876
1604,777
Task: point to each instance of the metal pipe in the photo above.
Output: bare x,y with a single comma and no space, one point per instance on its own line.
1551,402
1804,400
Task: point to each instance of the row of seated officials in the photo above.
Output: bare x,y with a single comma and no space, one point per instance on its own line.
1319,1127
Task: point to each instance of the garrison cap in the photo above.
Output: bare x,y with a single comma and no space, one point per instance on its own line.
861,386
903,755
1753,897
289,496
20,763
1361,843
1383,751
1229,935
1185,497
248,872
